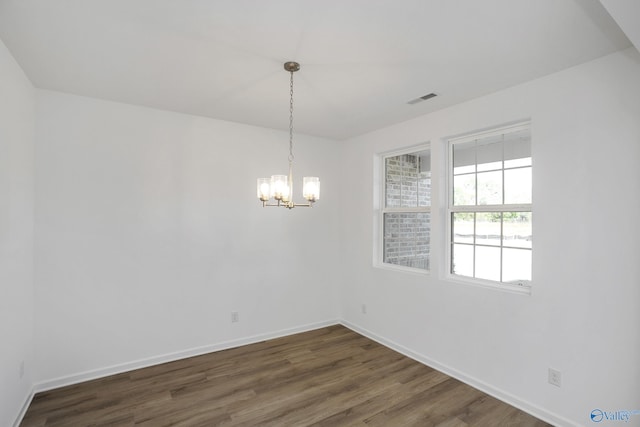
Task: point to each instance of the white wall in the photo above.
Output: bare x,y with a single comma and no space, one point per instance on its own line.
583,316
140,256
149,234
17,114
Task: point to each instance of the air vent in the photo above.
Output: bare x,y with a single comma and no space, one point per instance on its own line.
422,98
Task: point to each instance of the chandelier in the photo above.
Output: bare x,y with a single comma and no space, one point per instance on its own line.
277,191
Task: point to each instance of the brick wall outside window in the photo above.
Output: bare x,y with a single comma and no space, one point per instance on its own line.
407,234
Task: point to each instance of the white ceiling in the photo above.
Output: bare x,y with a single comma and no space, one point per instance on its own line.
627,15
362,60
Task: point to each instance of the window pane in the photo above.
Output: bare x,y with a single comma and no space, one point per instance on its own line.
424,178
393,180
408,180
490,171
424,158
490,188
489,154
488,263
516,265
517,149
464,190
517,185
407,239
463,227
462,260
424,189
488,229
409,190
464,158
516,229
516,163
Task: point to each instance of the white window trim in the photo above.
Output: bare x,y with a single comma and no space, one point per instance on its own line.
523,287
381,209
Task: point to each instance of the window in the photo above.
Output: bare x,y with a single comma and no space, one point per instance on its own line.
406,212
490,216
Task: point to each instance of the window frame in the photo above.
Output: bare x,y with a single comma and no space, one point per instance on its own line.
522,286
382,209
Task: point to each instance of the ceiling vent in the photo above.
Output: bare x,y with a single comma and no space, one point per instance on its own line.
422,98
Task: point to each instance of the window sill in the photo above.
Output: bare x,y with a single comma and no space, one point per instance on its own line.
522,289
401,268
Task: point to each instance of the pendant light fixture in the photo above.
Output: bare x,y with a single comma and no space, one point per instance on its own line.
277,191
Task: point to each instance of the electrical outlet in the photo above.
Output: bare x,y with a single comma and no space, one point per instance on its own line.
363,308
235,317
555,377
22,369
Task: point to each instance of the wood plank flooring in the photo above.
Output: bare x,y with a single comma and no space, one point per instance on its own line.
326,377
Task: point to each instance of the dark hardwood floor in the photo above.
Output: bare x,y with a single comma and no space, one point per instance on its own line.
326,377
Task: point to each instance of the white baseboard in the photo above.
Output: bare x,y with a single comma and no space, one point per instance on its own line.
170,357
512,400
528,407
25,406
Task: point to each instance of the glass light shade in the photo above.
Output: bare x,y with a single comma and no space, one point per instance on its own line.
263,189
279,187
285,196
311,188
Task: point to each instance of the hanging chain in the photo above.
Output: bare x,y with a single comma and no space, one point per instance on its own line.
291,120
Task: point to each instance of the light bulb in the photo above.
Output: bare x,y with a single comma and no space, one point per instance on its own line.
311,188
